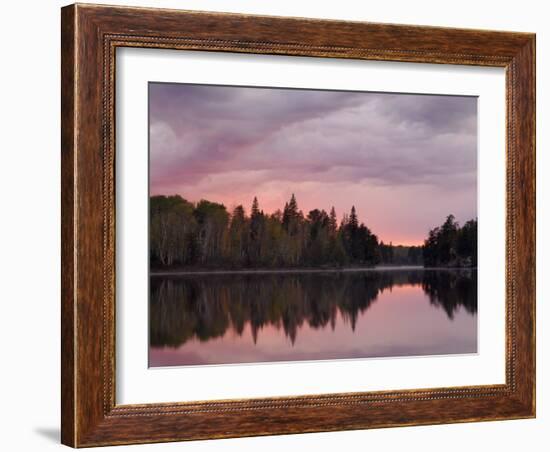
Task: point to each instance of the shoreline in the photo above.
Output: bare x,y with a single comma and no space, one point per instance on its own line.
301,270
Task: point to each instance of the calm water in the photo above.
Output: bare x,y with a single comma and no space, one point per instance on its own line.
258,317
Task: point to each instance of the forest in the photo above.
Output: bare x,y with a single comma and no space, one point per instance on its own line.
450,245
205,235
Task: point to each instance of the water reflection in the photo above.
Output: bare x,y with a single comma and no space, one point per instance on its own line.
188,312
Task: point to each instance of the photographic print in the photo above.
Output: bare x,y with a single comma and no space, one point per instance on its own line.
298,224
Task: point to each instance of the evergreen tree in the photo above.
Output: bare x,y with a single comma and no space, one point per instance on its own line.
238,231
353,222
293,205
206,235
286,217
256,223
450,245
332,223
290,215
255,208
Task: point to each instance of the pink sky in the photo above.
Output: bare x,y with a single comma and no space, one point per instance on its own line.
404,161
418,328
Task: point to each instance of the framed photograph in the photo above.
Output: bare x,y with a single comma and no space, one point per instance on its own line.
281,225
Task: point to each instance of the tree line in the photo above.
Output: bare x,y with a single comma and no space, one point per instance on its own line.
206,235
451,245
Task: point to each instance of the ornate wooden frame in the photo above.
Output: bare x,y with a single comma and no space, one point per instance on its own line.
90,35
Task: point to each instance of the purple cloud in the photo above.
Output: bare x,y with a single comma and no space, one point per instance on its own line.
228,144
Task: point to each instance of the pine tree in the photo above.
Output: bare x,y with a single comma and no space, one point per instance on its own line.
293,205
332,223
255,208
256,218
237,235
286,217
291,215
353,221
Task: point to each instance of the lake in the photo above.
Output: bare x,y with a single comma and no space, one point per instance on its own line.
245,317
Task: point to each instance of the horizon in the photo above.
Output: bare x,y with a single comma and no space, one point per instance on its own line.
404,161
339,217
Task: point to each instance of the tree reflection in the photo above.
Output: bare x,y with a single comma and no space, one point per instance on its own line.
203,306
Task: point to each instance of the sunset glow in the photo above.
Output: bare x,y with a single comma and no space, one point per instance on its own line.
404,161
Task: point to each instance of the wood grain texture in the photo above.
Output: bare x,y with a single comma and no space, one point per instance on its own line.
68,147
90,36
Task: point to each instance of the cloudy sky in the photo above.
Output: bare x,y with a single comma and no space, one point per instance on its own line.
405,161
